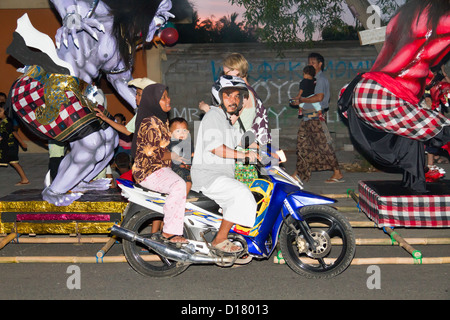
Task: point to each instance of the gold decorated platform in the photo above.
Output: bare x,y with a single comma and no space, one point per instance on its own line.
24,212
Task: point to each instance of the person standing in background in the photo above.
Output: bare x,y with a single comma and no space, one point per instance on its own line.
314,144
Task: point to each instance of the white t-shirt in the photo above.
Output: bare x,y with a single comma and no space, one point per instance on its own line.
214,131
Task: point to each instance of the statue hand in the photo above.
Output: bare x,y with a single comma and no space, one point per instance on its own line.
72,24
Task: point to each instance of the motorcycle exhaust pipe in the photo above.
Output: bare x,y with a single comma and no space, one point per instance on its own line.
168,251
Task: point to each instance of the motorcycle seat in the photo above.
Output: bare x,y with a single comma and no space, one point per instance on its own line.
197,198
202,201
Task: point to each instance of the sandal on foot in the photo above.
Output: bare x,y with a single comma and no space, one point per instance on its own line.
334,180
226,246
172,239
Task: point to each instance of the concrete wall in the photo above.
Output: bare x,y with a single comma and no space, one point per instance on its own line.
190,70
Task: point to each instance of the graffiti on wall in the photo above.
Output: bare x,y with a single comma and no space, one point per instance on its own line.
292,71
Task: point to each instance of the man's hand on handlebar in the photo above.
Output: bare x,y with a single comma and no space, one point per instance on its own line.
249,157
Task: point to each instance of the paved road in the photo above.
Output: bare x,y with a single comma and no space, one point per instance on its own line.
258,280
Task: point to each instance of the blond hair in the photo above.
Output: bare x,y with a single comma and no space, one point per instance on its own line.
236,61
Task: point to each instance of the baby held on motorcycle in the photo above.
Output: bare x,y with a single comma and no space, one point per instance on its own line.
181,148
214,161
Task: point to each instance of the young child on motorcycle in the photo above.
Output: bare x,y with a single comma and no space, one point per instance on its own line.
181,148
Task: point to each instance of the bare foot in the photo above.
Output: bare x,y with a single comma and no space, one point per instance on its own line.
21,183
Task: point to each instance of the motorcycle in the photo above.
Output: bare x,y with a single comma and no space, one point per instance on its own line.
315,240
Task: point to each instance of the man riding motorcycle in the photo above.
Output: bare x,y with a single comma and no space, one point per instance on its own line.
214,161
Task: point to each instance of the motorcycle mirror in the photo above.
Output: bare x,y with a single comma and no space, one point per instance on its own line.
247,139
281,155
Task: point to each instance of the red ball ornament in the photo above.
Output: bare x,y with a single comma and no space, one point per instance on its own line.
169,36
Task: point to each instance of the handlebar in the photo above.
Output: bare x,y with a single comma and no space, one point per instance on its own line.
266,159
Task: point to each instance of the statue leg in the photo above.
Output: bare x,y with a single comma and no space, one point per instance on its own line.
111,141
88,156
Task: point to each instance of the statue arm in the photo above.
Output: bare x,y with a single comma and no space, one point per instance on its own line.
161,17
120,82
76,16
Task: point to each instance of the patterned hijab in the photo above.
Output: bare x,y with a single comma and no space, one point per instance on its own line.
149,107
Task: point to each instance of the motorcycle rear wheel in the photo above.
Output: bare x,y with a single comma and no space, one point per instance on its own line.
142,259
327,260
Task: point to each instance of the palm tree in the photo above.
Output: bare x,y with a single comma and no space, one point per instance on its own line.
230,30
225,30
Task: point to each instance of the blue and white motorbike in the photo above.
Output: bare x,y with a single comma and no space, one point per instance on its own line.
315,240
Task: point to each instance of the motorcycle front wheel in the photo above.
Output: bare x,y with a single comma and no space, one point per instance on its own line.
142,259
326,260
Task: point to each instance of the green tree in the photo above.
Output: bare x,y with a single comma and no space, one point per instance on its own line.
281,21
338,30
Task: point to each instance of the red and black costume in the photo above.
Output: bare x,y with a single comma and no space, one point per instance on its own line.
385,119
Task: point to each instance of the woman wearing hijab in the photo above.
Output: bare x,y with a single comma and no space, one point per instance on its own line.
151,168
